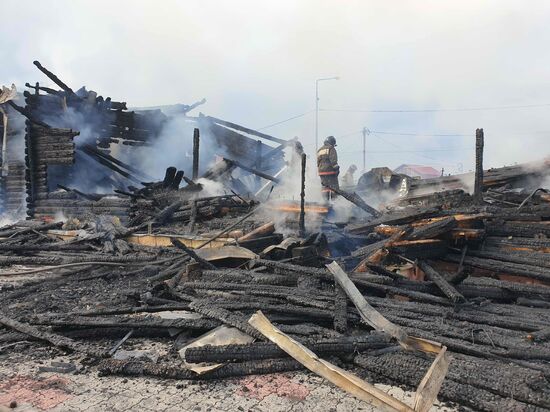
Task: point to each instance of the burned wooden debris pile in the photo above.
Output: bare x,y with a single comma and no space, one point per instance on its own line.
439,291
473,279
76,153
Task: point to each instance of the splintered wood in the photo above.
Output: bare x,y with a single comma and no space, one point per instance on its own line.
341,378
430,385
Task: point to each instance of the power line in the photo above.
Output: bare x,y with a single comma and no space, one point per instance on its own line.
286,120
408,134
415,151
469,109
350,133
424,134
392,133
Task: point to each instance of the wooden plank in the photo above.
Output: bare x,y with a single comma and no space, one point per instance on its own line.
375,319
427,391
370,315
158,240
339,377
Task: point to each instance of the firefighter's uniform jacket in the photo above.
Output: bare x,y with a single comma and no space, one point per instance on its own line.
327,166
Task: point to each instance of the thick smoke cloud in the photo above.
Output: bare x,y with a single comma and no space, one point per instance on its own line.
256,63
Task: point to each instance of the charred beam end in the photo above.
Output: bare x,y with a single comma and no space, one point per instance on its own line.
478,185
448,290
53,78
169,176
246,130
196,143
177,180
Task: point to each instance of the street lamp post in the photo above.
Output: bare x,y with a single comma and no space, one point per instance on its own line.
317,108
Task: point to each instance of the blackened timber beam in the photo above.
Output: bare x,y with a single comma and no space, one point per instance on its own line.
54,78
54,339
265,350
246,130
175,371
253,171
118,162
203,262
79,193
44,89
356,200
27,114
448,290
109,165
434,229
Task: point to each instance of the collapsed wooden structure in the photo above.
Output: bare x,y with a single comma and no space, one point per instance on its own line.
440,291
473,277
70,140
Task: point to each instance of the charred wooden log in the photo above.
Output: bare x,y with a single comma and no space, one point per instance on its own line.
517,229
498,268
227,317
56,340
264,350
481,388
139,368
447,289
340,310
356,200
122,322
204,263
397,218
433,230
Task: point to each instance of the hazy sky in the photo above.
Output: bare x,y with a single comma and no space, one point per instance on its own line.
256,63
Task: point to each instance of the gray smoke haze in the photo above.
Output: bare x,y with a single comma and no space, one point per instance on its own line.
256,63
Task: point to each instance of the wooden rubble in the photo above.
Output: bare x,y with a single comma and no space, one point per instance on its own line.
448,296
484,298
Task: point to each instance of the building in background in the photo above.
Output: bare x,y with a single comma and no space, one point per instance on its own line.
418,171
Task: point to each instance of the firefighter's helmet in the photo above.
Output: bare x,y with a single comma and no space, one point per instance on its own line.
331,140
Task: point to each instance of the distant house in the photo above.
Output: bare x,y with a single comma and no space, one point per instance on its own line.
418,171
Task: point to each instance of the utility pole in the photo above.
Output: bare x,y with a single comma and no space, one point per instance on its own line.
317,109
365,132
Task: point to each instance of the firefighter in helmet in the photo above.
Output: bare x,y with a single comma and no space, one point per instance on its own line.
327,167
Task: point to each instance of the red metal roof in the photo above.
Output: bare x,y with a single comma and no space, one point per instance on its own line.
418,170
